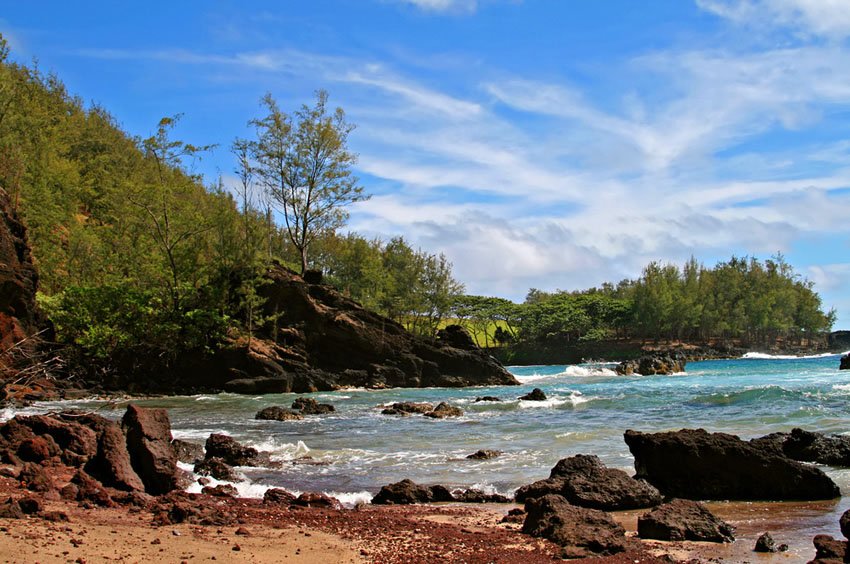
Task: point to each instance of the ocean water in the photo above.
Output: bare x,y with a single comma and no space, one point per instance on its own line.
356,450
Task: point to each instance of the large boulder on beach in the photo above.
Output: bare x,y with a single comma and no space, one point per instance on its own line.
77,443
683,519
582,532
829,550
696,464
652,364
584,481
112,463
407,492
149,438
809,446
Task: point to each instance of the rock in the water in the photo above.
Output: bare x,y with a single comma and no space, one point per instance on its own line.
187,452
217,468
406,492
230,451
695,464
683,519
808,446
484,454
585,532
149,443
276,413
309,406
845,362
456,336
844,523
221,490
487,398
652,364
584,481
829,549
278,496
444,410
407,408
535,395
765,543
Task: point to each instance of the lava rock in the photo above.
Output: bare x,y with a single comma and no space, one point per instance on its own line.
444,410
309,406
221,490
487,398
584,481
10,509
408,408
278,496
477,496
36,449
829,549
535,395
695,464
187,452
149,444
844,523
217,468
809,446
230,451
408,492
317,499
683,519
585,532
111,464
765,543
484,454
276,413
652,364
845,362
90,490
456,336
35,478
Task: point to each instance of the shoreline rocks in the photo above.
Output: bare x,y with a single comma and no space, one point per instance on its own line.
682,519
695,464
844,363
809,446
535,395
652,364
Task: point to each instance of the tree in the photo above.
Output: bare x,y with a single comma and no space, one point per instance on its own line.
305,165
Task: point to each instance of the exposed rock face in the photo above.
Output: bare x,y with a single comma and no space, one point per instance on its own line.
187,452
231,452
76,442
535,395
325,341
584,481
309,406
808,446
217,468
149,442
695,464
652,364
278,496
829,550
583,532
844,523
845,362
456,336
111,464
276,413
682,519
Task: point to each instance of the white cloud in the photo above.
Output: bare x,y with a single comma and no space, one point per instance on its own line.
443,5
829,18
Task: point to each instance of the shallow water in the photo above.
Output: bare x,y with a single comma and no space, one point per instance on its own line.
588,409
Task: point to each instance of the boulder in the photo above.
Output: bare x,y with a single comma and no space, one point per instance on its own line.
444,410
407,408
535,395
765,543
87,489
35,478
830,550
187,452
10,509
477,496
77,443
456,336
149,438
309,406
317,499
584,481
221,490
683,519
844,364
649,365
231,452
217,468
36,449
487,398
583,532
112,464
696,464
195,509
276,413
809,446
844,523
408,492
278,496
484,454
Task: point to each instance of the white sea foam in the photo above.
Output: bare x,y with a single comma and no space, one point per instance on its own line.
575,370
765,356
351,499
575,398
280,451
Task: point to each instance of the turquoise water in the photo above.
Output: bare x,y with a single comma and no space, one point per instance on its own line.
588,410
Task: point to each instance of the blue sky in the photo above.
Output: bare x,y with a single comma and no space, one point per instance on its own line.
537,143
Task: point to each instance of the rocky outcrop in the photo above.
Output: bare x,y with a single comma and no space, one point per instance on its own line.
582,532
111,463
765,543
829,550
231,452
584,481
456,336
648,365
484,454
682,519
407,492
844,364
324,341
187,452
148,433
408,408
277,413
444,410
809,446
309,406
695,464
534,395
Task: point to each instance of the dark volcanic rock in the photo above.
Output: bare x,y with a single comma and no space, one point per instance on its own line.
535,395
830,550
652,364
477,496
407,492
444,410
695,464
309,406
77,442
278,496
91,490
584,481
276,413
112,463
844,522
765,543
487,398
35,478
36,449
221,490
682,519
456,336
407,408
217,468
317,499
808,446
845,362
10,509
149,443
231,452
484,454
187,452
584,532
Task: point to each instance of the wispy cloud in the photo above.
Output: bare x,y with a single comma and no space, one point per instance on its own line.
828,18
443,5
